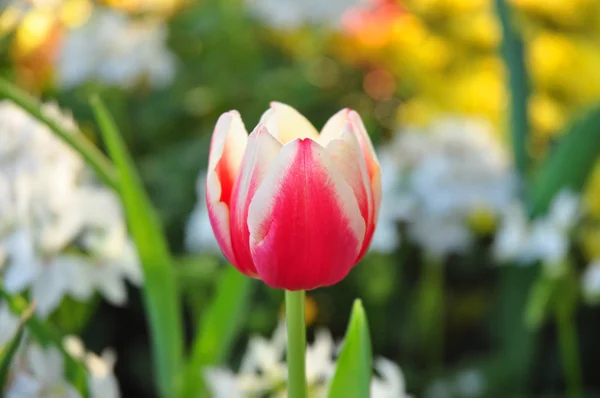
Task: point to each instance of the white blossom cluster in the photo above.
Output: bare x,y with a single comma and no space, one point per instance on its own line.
115,50
290,14
433,179
38,371
263,371
61,233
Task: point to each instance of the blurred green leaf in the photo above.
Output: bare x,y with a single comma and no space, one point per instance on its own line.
352,378
570,163
538,304
218,328
160,287
9,351
513,53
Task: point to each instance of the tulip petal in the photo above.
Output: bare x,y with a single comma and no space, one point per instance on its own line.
334,127
286,123
369,156
306,229
348,158
261,151
226,152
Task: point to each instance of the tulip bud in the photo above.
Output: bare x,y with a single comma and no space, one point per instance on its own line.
288,205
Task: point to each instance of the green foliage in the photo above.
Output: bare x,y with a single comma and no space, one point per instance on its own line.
160,289
354,368
570,163
218,328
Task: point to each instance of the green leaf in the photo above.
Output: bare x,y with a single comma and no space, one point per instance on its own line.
218,328
538,304
518,86
352,378
9,351
570,163
160,287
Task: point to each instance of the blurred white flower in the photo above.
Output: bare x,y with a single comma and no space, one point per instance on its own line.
390,382
60,233
467,383
545,239
590,283
438,177
199,236
40,373
9,323
263,371
102,381
116,50
289,14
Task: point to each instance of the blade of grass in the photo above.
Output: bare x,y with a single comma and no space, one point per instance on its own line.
92,155
160,288
218,328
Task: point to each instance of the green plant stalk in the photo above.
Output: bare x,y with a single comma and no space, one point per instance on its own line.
569,349
92,155
518,86
431,312
296,343
161,296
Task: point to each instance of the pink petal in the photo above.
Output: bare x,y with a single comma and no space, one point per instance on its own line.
370,157
226,151
261,150
306,229
348,158
286,123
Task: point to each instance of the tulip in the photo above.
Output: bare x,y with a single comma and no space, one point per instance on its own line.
288,205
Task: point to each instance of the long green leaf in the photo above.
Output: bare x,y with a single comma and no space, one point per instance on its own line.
513,54
352,378
160,287
570,163
92,155
7,355
218,328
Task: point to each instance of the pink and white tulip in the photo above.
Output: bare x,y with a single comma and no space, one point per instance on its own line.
288,205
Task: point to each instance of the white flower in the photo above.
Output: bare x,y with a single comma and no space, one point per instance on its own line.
40,373
102,382
9,323
116,50
390,382
289,14
438,177
545,239
590,283
60,233
263,372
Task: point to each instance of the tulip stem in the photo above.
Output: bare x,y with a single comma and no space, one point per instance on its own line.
296,343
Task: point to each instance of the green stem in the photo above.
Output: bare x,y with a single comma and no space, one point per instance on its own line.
569,350
431,312
296,343
92,155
